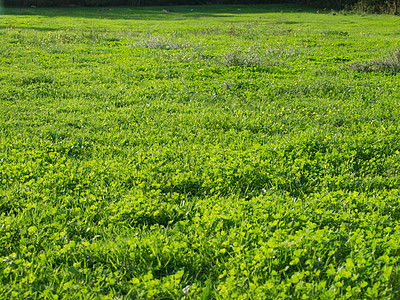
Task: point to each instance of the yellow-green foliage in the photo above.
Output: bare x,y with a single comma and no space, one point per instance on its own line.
200,152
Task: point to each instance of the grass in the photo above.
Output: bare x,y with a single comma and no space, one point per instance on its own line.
203,152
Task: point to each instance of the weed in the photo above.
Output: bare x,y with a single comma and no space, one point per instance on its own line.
240,58
387,64
157,42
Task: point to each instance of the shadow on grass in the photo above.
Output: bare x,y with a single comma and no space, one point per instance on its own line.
35,28
158,13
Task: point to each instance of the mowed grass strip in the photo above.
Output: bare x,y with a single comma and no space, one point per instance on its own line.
246,152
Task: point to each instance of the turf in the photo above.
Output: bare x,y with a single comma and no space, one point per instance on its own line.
244,152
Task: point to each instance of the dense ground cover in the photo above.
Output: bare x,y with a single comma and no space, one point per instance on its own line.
221,151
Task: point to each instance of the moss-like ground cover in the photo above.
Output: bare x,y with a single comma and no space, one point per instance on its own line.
246,152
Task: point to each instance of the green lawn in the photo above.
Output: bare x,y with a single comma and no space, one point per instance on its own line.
213,152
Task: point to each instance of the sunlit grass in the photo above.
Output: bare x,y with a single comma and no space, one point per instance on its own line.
205,151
